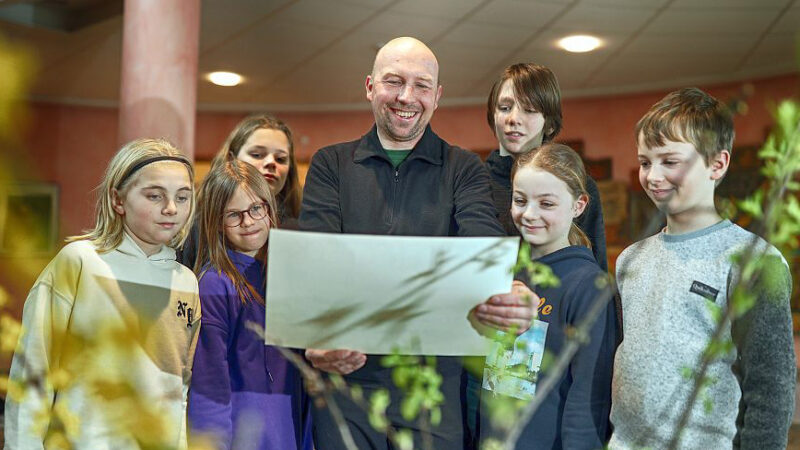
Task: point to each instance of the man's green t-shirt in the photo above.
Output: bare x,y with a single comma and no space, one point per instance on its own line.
397,156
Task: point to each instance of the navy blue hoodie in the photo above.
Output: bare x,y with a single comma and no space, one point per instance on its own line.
575,413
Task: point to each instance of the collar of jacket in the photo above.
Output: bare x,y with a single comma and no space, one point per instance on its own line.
500,167
429,148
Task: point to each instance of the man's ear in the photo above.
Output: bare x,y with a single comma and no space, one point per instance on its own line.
368,84
438,96
719,164
116,202
580,205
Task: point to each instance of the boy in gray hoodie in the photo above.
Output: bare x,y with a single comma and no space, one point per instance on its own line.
673,286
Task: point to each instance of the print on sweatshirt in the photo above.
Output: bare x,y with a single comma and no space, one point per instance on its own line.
514,371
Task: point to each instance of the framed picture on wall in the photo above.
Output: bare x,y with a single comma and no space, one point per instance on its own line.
28,219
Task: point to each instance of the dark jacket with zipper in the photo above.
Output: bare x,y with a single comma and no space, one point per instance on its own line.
439,190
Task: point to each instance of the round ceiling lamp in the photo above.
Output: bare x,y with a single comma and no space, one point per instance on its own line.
225,78
579,43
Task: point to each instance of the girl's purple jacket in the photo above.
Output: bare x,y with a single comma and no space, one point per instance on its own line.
243,391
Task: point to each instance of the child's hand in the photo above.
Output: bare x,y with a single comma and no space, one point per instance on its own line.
514,310
336,361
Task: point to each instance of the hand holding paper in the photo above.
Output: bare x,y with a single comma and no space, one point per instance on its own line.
342,362
513,310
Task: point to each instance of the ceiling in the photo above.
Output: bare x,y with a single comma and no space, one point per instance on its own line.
314,54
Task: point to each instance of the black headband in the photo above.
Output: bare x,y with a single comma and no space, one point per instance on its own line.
145,162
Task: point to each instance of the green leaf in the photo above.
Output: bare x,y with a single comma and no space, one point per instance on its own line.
523,258
492,444
542,275
547,360
378,403
410,406
337,381
436,416
715,311
792,186
708,405
602,281
356,392
787,117
793,208
752,205
404,439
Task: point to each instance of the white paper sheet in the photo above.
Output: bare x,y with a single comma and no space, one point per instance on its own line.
376,294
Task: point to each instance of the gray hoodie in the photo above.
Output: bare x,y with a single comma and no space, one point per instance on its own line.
669,285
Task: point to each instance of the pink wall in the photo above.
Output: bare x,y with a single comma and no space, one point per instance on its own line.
70,145
606,124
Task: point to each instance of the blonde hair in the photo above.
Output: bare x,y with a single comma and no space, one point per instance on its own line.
565,164
217,189
109,225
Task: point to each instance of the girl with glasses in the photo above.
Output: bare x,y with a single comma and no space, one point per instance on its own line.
243,393
264,142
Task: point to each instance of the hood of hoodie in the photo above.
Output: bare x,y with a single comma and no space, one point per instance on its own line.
129,247
569,254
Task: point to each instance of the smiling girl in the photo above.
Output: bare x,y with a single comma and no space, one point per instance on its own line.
116,314
243,392
549,194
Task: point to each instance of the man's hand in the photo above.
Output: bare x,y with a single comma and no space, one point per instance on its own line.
514,310
342,362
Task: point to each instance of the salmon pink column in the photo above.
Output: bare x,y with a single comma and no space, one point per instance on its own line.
159,71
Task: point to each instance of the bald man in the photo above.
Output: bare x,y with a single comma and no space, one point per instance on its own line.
398,179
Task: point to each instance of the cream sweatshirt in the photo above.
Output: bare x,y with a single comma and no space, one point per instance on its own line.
118,330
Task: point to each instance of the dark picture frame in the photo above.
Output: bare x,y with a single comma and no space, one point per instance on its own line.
28,219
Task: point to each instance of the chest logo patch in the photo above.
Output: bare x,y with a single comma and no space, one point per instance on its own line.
183,311
704,290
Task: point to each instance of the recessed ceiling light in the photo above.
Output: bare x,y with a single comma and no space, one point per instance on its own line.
225,78
579,43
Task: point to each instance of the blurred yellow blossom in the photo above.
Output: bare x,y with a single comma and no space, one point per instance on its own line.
13,389
16,70
69,421
10,330
59,379
3,297
57,441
